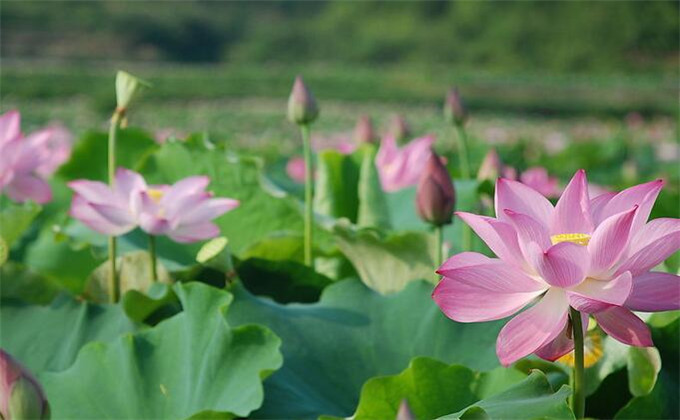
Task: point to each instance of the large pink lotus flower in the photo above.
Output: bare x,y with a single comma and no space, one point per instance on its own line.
401,167
183,211
28,160
592,254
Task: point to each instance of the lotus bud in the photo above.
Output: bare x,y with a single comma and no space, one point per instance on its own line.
405,412
435,196
454,108
491,167
399,128
127,87
363,130
21,396
302,107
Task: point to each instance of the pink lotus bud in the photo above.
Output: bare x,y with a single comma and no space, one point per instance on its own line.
405,412
454,108
21,396
435,196
363,130
302,107
399,128
491,167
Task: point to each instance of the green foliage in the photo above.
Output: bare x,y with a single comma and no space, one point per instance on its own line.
193,364
332,347
14,220
19,282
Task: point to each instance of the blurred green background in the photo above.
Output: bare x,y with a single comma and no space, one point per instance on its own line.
528,70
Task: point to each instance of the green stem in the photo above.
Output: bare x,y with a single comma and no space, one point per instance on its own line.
578,402
439,240
304,128
462,146
152,258
114,286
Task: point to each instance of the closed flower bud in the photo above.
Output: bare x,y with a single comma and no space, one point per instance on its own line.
21,396
302,107
127,87
435,196
363,130
454,108
491,167
399,128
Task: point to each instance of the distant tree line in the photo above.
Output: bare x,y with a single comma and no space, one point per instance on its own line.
554,36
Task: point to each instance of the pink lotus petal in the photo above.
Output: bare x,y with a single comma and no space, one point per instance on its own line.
193,233
119,216
29,187
92,191
624,326
643,195
572,212
401,168
593,296
128,182
493,275
10,126
538,179
562,344
655,242
153,224
609,241
207,210
533,328
655,292
186,186
597,206
83,212
499,236
517,197
528,230
461,301
562,265
464,259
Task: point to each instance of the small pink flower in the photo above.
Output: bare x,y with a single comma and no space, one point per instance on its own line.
295,168
402,167
28,160
592,254
538,179
183,211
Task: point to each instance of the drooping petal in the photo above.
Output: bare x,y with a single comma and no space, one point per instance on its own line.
186,186
624,326
193,233
92,191
461,301
562,265
572,212
643,195
10,126
493,275
515,196
562,344
29,187
655,242
207,210
82,210
609,241
654,292
593,296
533,328
499,236
153,224
529,230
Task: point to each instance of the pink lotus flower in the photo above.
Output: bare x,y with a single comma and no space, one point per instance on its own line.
401,167
592,254
538,179
183,211
295,169
28,160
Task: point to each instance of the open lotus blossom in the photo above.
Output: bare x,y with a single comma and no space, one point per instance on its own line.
28,160
401,167
592,254
183,211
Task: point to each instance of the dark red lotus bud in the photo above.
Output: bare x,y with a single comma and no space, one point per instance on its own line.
399,128
363,130
454,108
302,107
435,196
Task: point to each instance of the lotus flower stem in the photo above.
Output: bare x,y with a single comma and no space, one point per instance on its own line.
439,240
304,129
152,257
578,401
114,287
461,142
